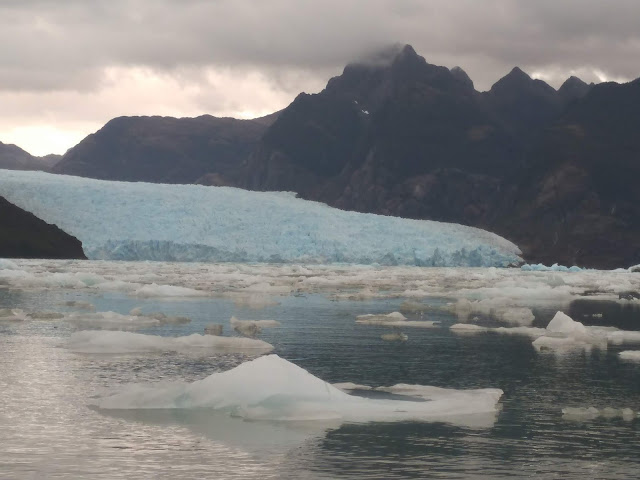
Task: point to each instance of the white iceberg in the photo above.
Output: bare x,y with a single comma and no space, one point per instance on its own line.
631,355
141,221
564,333
98,341
271,388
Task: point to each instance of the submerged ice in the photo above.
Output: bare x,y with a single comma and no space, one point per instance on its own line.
271,388
139,221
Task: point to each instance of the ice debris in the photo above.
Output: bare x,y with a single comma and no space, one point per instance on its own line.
271,388
142,221
251,328
592,413
394,319
631,355
117,321
98,341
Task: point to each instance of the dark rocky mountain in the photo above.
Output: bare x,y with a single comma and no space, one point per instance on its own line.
23,235
13,157
578,199
573,89
164,149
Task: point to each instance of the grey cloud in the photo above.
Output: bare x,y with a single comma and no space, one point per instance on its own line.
52,45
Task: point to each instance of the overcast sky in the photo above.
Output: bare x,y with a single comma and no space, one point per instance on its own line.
68,66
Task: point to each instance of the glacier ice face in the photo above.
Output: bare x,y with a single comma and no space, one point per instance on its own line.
140,221
271,388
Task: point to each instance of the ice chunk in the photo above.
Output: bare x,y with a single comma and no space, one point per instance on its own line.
631,355
563,324
251,328
271,388
394,319
394,337
97,341
141,221
467,328
380,319
564,333
213,329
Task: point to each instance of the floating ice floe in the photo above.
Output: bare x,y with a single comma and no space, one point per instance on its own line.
251,328
562,333
394,319
592,413
98,341
117,321
271,388
394,337
500,308
630,355
142,221
468,328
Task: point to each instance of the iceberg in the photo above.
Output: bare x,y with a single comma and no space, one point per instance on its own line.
141,221
271,388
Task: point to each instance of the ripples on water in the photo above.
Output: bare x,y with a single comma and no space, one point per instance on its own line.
47,429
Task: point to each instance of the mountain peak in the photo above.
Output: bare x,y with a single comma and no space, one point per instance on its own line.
573,88
460,75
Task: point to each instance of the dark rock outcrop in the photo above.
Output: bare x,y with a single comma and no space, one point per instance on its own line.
23,235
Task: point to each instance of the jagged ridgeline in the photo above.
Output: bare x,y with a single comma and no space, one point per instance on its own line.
552,170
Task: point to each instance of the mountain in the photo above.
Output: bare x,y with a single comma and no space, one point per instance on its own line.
163,149
13,157
23,235
578,199
554,171
380,136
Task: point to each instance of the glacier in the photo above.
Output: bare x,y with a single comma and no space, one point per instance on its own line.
141,221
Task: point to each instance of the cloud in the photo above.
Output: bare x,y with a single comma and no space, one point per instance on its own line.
226,56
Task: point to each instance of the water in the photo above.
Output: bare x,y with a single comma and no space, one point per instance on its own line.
49,430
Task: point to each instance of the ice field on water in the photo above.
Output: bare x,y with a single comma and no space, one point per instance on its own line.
105,373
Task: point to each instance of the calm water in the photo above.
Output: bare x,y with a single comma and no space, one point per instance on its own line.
48,429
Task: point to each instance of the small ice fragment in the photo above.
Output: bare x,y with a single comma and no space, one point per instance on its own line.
630,355
213,329
394,337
